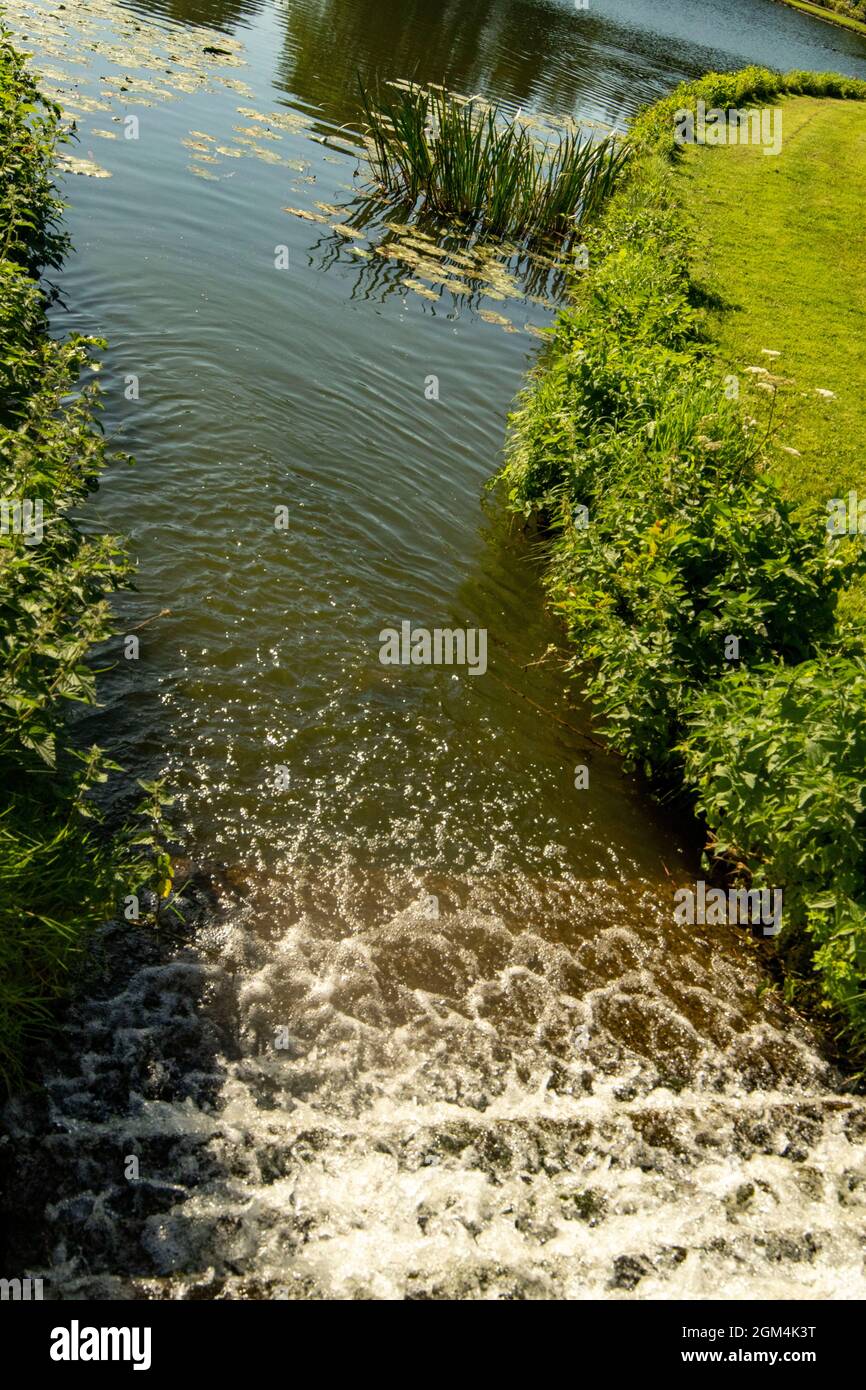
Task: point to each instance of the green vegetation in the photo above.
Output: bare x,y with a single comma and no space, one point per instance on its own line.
779,759
669,536
753,248
59,872
851,14
478,165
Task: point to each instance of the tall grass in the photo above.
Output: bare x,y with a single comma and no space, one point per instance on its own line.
480,166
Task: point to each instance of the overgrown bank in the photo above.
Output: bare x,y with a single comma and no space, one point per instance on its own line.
701,603
850,14
789,321
60,873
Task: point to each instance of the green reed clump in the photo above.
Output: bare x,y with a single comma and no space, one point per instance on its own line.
478,165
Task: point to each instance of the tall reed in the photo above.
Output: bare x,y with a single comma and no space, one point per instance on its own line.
483,167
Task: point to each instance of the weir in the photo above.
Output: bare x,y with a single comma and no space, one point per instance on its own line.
545,1087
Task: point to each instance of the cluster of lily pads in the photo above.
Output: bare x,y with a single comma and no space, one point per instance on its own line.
429,261
156,61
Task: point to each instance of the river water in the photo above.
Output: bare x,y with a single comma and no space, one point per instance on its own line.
435,1034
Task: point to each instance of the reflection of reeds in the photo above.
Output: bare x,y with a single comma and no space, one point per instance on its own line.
539,273
481,166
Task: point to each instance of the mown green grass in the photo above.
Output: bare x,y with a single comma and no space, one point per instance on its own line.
781,241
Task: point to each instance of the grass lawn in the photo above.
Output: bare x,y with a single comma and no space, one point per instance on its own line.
782,242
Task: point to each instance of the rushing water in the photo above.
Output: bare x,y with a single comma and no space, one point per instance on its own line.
434,1033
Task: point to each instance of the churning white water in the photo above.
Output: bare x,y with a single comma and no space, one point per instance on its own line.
568,1098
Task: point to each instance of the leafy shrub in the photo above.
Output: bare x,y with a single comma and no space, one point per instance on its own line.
778,757
59,871
685,543
666,538
663,576
30,234
653,128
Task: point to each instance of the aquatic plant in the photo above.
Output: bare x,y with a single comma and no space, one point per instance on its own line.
468,160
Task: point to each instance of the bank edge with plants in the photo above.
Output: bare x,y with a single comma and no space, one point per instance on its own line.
849,14
61,872
666,538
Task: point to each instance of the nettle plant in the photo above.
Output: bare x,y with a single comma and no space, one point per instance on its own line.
778,755
60,871
660,579
666,539
52,605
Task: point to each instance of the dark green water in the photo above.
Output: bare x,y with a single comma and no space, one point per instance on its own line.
455,1084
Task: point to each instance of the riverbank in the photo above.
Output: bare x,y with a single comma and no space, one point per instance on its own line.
60,874
847,16
761,250
701,601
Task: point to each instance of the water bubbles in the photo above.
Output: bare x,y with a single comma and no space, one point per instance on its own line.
342,1093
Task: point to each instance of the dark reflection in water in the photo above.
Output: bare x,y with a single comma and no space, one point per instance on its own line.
214,14
544,54
539,54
